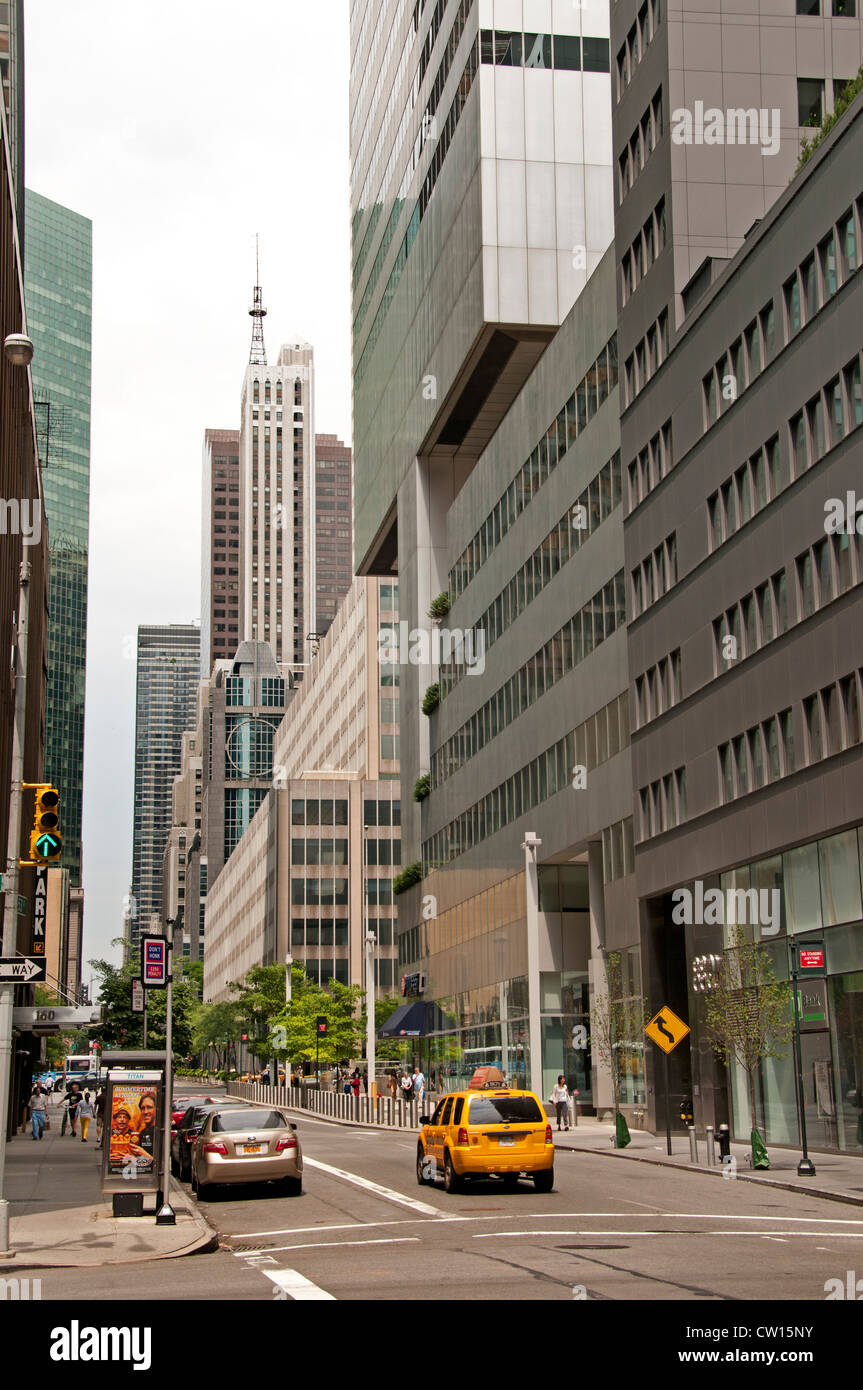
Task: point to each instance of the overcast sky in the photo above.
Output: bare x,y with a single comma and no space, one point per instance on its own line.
181,131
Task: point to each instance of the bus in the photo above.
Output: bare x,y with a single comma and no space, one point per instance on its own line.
76,1068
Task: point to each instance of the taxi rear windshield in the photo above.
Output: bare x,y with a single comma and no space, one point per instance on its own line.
504,1110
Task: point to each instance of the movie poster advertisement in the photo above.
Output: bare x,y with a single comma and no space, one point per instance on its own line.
133,1141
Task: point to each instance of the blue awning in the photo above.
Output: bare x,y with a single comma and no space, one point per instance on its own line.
414,1020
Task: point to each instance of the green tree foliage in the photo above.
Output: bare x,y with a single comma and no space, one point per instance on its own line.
124,1030
747,1013
260,997
293,1030
215,1026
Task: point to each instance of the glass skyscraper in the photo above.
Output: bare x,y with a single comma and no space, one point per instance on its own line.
58,274
167,683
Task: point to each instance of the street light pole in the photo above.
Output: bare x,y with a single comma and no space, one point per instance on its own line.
805,1168
370,942
10,883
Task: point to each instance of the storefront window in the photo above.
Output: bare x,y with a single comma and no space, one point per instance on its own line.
802,892
846,1013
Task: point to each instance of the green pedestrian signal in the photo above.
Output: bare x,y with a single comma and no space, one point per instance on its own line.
46,842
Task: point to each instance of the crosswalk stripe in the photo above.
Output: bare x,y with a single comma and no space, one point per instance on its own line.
297,1286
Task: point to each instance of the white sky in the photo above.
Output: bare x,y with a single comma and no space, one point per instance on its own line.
182,130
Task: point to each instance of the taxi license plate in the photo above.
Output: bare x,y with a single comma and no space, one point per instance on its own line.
252,1148
508,1142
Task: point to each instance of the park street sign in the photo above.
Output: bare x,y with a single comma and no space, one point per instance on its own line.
666,1029
20,970
54,1018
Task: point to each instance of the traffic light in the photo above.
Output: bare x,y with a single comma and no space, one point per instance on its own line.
321,1024
46,842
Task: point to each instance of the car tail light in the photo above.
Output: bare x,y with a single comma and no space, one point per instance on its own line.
210,1148
462,1136
289,1143
548,1138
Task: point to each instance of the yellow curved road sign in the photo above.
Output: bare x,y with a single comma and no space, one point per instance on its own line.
666,1029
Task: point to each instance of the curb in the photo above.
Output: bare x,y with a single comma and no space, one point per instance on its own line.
206,1242
717,1173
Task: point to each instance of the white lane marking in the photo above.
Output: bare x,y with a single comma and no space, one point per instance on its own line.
780,1240
554,1216
388,1193
297,1287
326,1245
518,1235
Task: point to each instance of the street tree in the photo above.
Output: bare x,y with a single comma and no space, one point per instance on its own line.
748,1014
617,1022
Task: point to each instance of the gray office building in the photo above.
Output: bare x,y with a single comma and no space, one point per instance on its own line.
167,677
740,303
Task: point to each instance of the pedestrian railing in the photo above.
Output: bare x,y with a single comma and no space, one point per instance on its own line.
335,1105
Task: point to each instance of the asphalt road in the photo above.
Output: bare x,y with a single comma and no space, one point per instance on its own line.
363,1229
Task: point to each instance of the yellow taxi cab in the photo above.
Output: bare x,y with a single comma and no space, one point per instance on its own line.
489,1130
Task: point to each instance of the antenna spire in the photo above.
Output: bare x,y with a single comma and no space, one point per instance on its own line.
258,354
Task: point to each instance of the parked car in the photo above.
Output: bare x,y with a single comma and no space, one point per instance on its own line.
251,1145
486,1133
187,1131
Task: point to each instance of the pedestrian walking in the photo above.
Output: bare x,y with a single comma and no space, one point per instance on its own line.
37,1112
407,1086
418,1082
560,1100
86,1112
356,1081
72,1101
393,1083
100,1116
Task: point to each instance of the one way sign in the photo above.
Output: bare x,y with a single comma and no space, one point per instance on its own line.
21,970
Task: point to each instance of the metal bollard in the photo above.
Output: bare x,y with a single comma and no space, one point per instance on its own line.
693,1145
711,1151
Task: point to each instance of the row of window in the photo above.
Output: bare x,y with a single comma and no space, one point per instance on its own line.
764,753
647,358
640,146
658,689
654,461
512,49
572,644
316,851
825,570
647,246
662,804
656,574
840,9
635,45
618,850
827,418
590,393
593,506
599,738
313,811
325,931
315,892
441,149
239,690
813,283
382,813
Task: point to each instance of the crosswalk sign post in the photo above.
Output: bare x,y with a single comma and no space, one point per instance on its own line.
667,1030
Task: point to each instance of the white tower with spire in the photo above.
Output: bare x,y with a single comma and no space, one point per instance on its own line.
277,496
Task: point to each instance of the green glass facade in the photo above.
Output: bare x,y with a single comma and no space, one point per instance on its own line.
58,275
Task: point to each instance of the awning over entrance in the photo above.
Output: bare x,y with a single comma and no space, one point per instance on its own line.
414,1020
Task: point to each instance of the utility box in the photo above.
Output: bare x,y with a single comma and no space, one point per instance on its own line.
128,1204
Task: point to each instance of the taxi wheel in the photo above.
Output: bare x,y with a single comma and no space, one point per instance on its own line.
421,1158
451,1180
544,1181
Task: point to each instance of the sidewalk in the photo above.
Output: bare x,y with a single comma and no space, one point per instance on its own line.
60,1218
839,1177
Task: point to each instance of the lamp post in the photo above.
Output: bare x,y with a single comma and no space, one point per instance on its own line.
369,942
530,844
18,350
805,1168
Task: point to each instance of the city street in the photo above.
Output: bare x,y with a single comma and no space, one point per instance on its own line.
363,1229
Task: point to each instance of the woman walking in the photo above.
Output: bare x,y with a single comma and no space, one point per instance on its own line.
560,1099
86,1112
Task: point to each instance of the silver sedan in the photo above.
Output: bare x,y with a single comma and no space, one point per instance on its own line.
250,1145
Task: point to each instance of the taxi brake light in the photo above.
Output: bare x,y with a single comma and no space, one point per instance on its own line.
548,1138
462,1136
